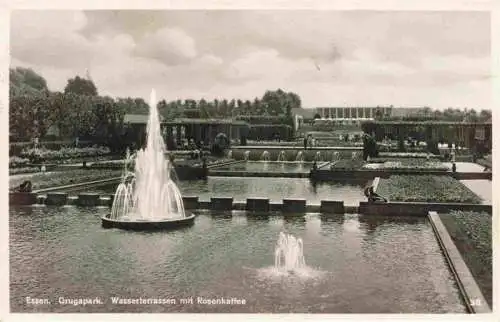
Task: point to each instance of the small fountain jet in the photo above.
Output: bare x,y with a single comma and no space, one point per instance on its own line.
299,157
289,254
265,156
282,156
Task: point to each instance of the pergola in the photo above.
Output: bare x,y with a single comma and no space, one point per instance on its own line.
465,132
200,130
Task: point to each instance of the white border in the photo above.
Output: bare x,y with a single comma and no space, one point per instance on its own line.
428,5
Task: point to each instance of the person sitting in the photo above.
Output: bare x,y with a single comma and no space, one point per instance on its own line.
26,186
373,197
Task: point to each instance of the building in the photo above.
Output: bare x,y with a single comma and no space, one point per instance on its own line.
363,113
350,116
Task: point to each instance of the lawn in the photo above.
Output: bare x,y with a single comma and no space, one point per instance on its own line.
426,188
472,234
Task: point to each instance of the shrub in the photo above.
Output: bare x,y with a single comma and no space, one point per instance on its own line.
220,145
432,147
63,153
401,145
370,148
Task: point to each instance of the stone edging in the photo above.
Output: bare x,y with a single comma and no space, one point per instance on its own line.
228,173
326,174
291,205
419,209
467,285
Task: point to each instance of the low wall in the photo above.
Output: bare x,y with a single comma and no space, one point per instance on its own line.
416,208
290,205
473,175
22,198
309,155
327,174
297,148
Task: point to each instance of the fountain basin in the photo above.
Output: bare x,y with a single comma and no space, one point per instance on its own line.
148,225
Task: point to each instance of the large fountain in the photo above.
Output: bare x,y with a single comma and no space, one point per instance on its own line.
148,198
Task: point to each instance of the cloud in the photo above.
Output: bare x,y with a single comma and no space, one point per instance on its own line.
171,46
438,59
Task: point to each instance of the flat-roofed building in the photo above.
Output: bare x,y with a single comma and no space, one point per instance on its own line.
355,114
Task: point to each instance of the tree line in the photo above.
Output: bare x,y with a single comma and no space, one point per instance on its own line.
79,111
449,114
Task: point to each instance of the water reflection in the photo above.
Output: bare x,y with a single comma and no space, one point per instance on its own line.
296,221
276,189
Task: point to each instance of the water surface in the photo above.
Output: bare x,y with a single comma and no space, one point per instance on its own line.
363,265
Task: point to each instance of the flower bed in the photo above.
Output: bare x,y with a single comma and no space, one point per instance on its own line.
29,163
406,155
408,164
18,162
426,188
337,143
13,171
472,234
62,178
64,153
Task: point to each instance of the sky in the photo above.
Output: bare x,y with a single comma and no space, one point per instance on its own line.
330,58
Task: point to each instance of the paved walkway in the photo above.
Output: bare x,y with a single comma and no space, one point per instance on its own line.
482,188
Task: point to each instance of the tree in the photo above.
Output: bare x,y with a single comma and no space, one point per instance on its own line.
81,86
27,81
231,106
484,115
432,147
368,127
370,148
202,105
317,116
401,144
223,108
